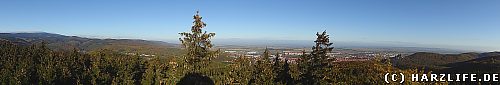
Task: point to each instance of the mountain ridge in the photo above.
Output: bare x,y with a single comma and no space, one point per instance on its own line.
444,62
60,42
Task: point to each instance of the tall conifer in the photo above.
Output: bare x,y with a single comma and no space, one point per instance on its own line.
197,44
315,65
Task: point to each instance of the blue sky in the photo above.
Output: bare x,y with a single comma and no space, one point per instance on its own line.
463,24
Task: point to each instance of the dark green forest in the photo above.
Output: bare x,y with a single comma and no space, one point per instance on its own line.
38,64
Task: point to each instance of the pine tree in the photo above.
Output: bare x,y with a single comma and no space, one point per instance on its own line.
315,65
198,44
282,72
149,76
263,73
241,71
277,68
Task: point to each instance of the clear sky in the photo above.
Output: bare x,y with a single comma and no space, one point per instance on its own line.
466,24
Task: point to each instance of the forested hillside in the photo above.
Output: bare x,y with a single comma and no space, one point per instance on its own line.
487,64
43,58
37,64
472,63
67,43
431,61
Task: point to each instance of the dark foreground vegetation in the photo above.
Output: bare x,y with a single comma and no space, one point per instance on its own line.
38,64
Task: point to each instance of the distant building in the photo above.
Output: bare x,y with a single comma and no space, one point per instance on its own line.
350,59
230,51
292,60
293,53
147,55
252,52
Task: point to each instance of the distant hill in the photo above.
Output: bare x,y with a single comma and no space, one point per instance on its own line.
487,64
61,42
477,63
431,61
489,54
465,62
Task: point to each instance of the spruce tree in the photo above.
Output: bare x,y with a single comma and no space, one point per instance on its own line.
282,72
315,65
263,73
277,68
197,44
241,71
